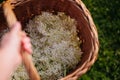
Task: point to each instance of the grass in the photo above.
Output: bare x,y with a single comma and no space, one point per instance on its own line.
106,15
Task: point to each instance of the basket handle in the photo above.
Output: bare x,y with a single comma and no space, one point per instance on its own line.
26,57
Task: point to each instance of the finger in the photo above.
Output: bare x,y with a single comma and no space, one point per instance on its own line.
23,34
28,48
16,28
27,45
26,40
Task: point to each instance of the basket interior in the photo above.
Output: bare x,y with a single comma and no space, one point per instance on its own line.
28,10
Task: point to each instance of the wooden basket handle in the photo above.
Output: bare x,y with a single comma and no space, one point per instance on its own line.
26,57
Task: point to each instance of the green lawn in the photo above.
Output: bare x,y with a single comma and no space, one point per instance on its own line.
106,15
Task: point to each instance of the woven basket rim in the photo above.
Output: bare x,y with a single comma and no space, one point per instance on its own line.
87,65
94,53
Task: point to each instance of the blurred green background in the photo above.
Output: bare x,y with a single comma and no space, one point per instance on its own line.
106,15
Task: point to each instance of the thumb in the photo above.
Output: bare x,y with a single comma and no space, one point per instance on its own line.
16,28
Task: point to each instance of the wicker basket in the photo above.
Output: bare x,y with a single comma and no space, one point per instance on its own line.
26,9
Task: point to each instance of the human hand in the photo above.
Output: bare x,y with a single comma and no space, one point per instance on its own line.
10,51
13,42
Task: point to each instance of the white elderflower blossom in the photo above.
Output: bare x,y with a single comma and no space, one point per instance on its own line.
56,46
